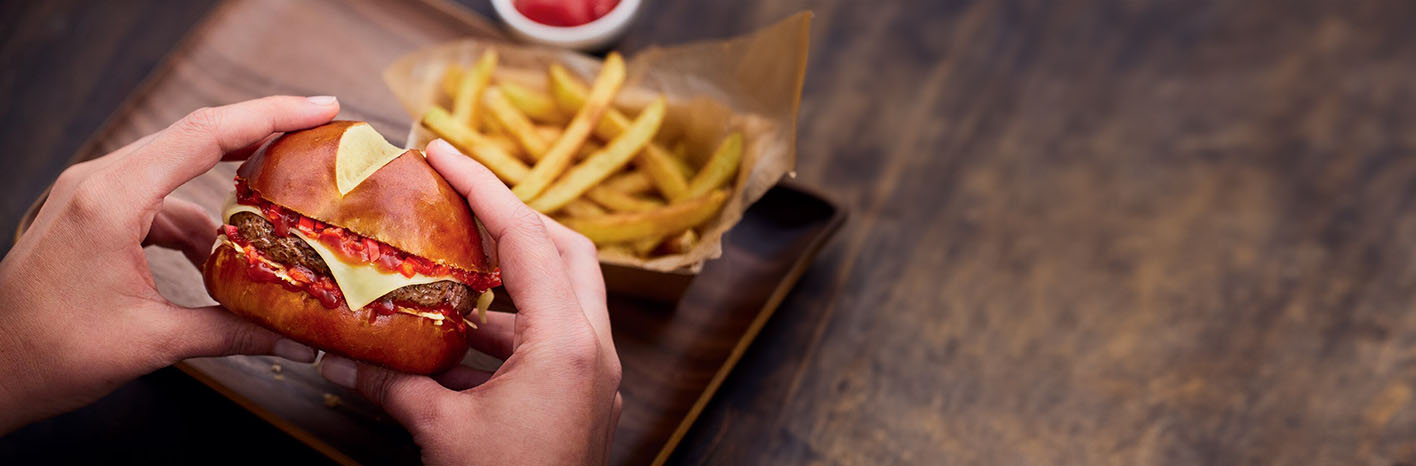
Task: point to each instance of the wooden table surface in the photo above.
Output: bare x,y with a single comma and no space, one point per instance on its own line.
1083,232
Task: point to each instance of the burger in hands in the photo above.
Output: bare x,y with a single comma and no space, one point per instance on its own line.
339,240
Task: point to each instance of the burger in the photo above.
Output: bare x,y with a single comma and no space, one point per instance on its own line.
341,241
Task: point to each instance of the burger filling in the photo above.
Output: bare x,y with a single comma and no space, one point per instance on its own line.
296,251
292,251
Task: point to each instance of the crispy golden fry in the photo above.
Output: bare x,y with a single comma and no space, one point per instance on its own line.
491,127
504,142
615,228
645,246
631,182
583,208
590,147
469,91
535,104
560,155
668,176
679,158
452,78
549,133
504,165
720,169
662,168
620,201
681,243
617,249
516,124
601,164
680,151
567,91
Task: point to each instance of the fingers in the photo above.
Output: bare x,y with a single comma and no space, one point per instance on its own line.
184,226
530,263
412,400
583,264
198,141
496,336
212,331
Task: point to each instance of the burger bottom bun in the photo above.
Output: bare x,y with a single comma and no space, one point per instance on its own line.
399,341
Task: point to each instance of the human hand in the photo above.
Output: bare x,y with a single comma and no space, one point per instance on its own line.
555,399
79,311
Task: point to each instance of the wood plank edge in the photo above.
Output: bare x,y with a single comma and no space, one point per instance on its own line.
770,307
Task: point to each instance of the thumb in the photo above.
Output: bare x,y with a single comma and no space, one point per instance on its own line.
413,400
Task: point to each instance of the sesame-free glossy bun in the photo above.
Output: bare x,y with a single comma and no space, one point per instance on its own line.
405,204
398,341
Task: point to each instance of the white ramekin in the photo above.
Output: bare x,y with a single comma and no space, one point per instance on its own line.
589,36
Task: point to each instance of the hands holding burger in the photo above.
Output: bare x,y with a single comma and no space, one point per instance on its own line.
80,315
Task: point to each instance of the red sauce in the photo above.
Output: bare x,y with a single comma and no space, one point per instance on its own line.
324,288
565,13
354,248
357,249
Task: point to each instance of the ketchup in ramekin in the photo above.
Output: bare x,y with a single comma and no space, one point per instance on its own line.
564,13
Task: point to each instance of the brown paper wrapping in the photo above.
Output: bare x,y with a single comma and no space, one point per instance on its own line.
750,83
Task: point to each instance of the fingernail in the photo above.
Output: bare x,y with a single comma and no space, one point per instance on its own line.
322,100
339,370
443,145
294,351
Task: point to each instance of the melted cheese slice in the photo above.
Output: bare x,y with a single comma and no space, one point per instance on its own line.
360,283
280,272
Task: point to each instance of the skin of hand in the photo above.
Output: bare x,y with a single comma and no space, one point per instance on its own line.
79,311
555,399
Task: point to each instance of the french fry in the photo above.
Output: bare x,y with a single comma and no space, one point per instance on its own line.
617,250
642,247
469,91
680,151
670,219
535,104
489,124
504,165
549,133
620,201
586,149
668,177
681,243
606,161
566,91
559,156
452,78
504,143
720,168
583,208
680,159
631,182
516,124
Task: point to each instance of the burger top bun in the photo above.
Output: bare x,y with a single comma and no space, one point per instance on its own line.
405,203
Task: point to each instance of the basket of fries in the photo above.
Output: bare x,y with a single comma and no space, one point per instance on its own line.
653,158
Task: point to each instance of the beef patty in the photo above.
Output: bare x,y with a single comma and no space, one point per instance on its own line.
290,251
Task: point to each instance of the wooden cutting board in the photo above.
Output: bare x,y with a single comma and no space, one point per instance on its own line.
674,355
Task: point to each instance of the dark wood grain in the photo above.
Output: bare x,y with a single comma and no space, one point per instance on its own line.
66,65
1089,232
1092,232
